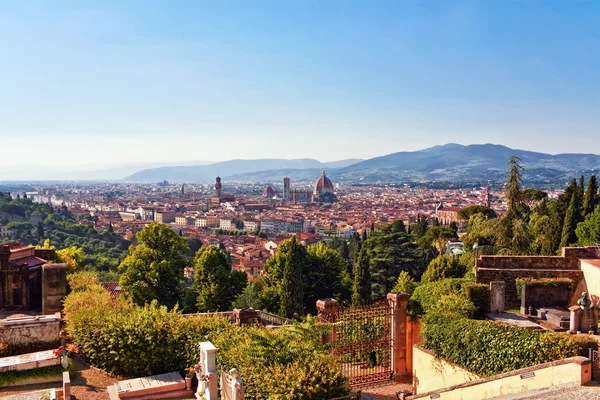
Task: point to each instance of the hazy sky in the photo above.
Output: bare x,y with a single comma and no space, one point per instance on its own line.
86,83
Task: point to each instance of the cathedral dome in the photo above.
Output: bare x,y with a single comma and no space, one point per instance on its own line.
323,185
268,192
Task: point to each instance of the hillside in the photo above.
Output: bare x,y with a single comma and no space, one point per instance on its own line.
450,162
230,168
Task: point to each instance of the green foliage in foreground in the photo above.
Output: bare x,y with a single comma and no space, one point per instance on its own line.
130,340
488,348
426,297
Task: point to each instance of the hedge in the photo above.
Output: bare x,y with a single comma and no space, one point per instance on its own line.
128,340
428,294
479,294
488,348
543,282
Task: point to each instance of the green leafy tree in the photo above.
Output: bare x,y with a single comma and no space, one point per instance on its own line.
215,285
71,256
444,266
512,188
362,279
405,283
323,278
533,195
572,218
437,237
154,268
285,276
590,200
40,230
467,212
541,229
588,231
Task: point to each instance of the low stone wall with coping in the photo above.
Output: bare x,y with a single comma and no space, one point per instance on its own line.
25,334
570,371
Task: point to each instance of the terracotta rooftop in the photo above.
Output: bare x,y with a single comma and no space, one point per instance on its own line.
15,246
112,287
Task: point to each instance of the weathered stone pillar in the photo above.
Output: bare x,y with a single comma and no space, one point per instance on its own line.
54,287
497,296
245,316
398,303
208,362
66,386
328,310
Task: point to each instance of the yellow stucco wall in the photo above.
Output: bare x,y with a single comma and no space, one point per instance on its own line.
591,275
430,374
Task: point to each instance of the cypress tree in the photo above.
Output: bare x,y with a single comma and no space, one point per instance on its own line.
572,218
581,186
513,188
362,279
365,235
40,230
591,196
292,285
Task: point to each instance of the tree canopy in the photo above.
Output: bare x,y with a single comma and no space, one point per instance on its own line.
153,270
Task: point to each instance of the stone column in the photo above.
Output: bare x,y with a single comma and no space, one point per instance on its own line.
398,303
327,313
574,322
208,362
66,386
497,296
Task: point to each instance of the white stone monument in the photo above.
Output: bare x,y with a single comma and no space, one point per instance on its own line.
208,363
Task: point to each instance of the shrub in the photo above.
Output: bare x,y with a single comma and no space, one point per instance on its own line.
428,294
129,340
488,348
405,283
441,267
544,282
456,305
479,294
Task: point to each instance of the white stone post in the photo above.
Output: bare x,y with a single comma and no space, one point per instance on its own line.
208,363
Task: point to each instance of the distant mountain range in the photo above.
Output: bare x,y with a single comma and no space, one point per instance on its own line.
226,169
450,162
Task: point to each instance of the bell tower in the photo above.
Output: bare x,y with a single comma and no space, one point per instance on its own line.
218,186
286,189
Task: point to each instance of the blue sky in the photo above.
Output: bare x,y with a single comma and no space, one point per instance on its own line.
90,84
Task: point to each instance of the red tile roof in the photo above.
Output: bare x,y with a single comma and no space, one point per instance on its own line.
112,287
31,261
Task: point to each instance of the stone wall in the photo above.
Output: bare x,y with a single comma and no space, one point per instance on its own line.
29,333
54,287
543,296
508,275
574,371
431,373
527,262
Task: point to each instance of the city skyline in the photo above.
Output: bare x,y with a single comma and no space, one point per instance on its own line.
106,84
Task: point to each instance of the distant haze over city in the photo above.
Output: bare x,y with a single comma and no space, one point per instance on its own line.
448,162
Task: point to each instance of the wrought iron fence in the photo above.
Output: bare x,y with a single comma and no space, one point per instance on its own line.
595,357
362,342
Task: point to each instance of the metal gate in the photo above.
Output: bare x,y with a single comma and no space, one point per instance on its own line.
595,357
362,341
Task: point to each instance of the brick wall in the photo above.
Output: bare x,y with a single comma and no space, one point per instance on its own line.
486,275
509,268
